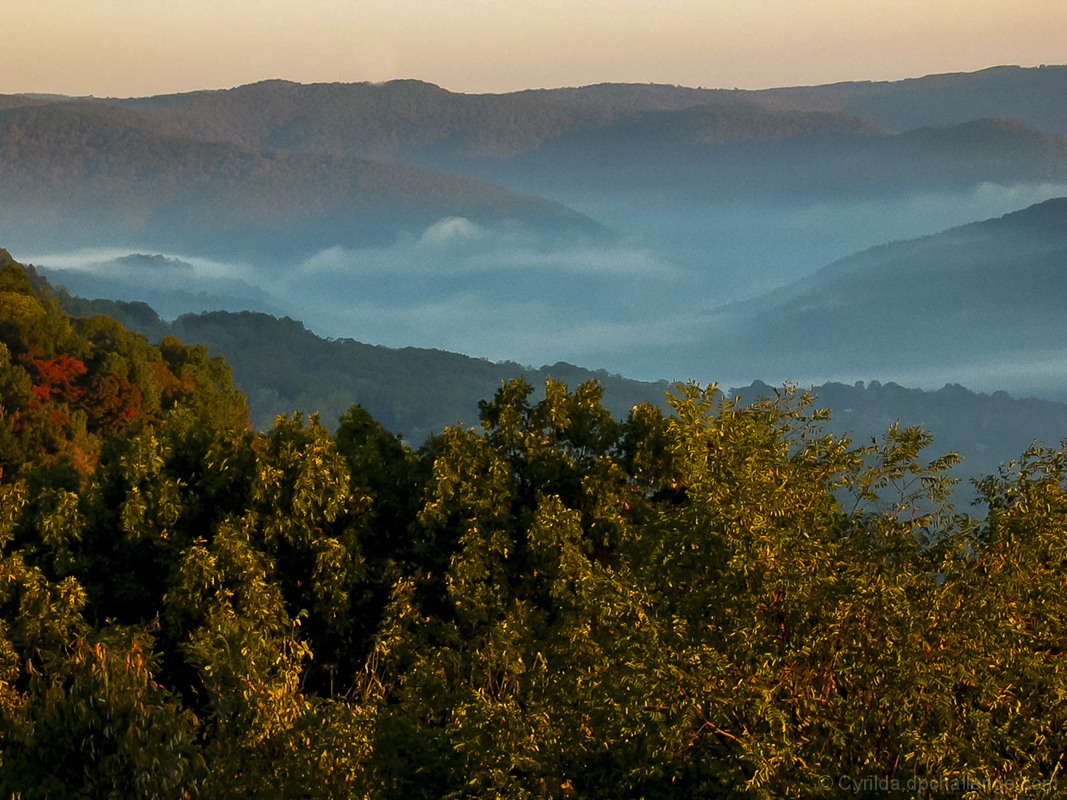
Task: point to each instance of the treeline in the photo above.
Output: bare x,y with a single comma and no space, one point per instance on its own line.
722,601
283,367
987,430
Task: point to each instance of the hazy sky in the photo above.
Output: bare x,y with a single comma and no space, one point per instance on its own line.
140,47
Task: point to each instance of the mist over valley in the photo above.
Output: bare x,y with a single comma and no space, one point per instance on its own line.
649,230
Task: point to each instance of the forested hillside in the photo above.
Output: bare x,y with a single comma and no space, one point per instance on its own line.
18,101
400,119
411,120
82,174
941,99
693,159
70,383
1005,91
720,601
825,139
283,367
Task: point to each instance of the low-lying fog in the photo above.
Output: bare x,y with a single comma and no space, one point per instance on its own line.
633,305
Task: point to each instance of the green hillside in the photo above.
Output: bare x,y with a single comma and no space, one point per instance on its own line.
283,367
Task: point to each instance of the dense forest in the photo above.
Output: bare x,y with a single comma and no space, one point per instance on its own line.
722,600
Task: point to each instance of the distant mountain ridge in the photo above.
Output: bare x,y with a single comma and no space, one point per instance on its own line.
1031,94
1006,91
281,161
82,170
405,120
990,292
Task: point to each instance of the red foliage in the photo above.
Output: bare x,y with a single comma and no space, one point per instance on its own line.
58,378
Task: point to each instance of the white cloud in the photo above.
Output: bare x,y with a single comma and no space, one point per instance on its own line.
451,229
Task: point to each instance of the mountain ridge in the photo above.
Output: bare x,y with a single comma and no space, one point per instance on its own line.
973,294
90,164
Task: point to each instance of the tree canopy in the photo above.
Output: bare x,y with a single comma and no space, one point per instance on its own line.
722,600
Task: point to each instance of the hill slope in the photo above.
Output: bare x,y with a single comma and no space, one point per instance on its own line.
283,367
1033,95
398,119
729,155
83,173
977,302
409,119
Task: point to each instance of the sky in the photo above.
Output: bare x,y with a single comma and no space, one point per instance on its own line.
124,48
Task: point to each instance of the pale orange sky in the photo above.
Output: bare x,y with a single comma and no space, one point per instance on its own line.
140,47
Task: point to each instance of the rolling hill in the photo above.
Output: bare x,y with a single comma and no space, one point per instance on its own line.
1033,95
400,119
979,303
631,215
724,154
80,174
415,121
283,367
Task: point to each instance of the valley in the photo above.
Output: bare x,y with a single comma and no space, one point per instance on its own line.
621,227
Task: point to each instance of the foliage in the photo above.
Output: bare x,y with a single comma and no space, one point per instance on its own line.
282,367
723,600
